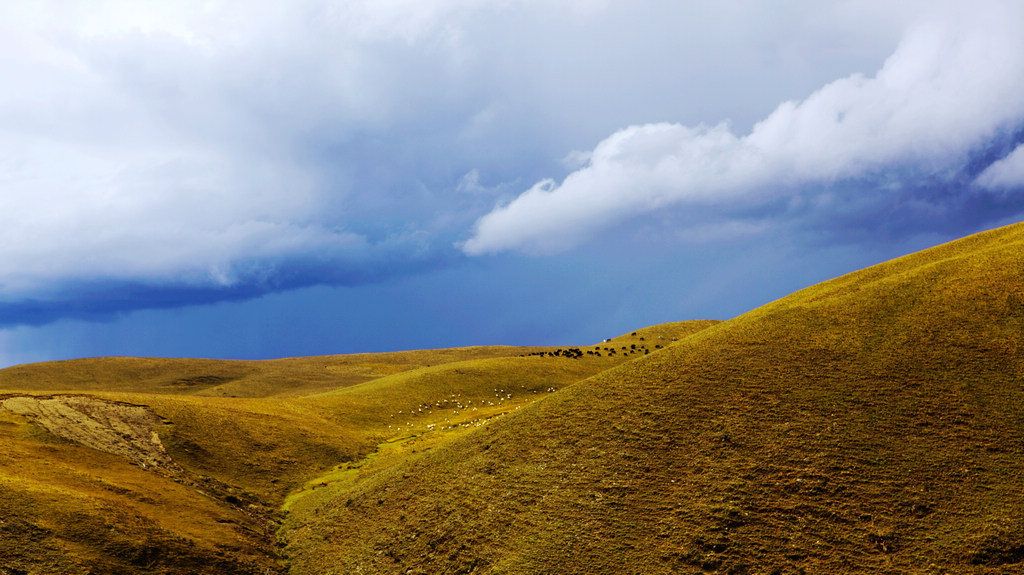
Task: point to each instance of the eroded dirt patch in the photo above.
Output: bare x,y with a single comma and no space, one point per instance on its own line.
114,427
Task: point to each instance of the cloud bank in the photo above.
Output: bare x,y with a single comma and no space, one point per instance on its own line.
1007,173
944,106
156,155
204,148
217,146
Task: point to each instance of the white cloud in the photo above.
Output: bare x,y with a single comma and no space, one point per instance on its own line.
156,213
170,142
952,84
157,142
1005,173
175,142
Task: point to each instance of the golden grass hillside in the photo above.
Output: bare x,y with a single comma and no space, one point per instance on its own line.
872,424
125,465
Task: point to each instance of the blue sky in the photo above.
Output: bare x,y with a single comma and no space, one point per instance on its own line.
227,179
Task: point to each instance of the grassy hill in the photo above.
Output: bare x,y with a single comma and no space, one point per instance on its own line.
873,423
118,465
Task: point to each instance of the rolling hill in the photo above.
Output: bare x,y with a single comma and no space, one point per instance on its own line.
121,465
873,423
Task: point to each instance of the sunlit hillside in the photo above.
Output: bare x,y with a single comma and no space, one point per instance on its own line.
873,423
116,465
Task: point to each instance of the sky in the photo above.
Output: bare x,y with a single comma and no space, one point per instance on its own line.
254,180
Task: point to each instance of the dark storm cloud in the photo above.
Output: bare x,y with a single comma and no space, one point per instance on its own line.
104,300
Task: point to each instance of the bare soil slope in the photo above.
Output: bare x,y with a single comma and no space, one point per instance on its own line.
113,427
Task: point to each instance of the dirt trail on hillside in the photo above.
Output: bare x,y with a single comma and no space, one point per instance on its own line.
114,427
